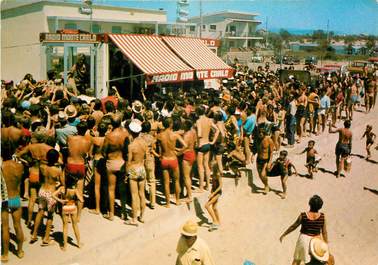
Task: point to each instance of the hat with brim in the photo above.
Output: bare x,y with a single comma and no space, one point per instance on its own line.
70,111
319,249
135,126
137,106
62,116
190,228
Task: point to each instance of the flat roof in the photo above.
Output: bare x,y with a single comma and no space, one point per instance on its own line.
227,12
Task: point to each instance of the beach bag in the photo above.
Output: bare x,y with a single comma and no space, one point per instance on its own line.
347,163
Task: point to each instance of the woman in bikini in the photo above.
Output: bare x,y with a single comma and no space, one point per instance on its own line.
69,196
216,192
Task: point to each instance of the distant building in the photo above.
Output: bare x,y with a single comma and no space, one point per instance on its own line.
236,30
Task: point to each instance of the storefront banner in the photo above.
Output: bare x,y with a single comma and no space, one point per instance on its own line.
57,37
170,77
210,74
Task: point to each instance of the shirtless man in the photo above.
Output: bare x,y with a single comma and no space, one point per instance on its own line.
10,186
79,147
369,97
301,114
167,140
343,146
113,153
204,126
37,150
353,99
261,110
265,148
136,172
313,105
99,163
52,177
189,156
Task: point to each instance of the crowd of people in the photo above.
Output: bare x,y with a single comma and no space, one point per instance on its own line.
56,143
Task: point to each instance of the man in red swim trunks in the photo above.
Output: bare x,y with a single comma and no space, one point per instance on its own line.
79,146
189,156
167,140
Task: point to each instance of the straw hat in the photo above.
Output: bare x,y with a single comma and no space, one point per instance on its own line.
319,249
135,126
137,106
190,228
62,116
70,111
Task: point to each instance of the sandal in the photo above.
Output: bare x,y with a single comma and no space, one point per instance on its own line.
129,222
213,227
33,240
140,219
46,244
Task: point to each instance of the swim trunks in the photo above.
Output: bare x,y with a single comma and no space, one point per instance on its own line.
45,200
204,148
190,157
137,174
342,149
169,164
77,170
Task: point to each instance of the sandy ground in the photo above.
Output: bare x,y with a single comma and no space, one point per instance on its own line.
251,222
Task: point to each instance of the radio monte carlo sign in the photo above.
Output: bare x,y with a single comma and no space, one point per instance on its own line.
63,37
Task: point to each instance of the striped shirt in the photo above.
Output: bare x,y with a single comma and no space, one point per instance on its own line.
312,227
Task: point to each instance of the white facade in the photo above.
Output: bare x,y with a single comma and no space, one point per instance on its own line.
235,29
22,22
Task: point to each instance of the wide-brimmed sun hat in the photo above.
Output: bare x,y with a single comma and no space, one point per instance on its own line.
135,126
70,111
189,228
319,249
62,116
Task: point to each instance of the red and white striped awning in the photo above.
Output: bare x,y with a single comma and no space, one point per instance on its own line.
153,57
195,53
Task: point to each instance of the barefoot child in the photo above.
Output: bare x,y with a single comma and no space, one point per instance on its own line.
370,138
282,167
311,161
216,192
69,198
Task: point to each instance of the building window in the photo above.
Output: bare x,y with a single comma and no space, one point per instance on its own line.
232,44
203,27
192,28
117,29
232,28
213,27
96,28
70,26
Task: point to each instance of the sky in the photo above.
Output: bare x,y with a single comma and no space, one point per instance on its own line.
345,16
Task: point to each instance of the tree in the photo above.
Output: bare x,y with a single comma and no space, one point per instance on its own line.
285,35
318,35
370,43
349,48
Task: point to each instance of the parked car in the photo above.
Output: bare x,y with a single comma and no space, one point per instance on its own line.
311,60
296,60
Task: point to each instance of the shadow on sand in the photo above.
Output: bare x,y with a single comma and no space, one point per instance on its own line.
371,190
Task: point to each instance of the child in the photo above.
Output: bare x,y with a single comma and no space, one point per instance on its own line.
69,197
216,192
311,162
282,167
370,137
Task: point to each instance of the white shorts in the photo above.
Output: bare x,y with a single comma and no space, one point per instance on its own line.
302,248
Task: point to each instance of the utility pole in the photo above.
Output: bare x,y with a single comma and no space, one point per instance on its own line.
327,30
266,32
201,19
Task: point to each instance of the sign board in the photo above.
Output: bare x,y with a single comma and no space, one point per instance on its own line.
85,10
57,37
211,42
211,74
170,77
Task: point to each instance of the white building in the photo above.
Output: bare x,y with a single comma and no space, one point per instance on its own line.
235,29
23,21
